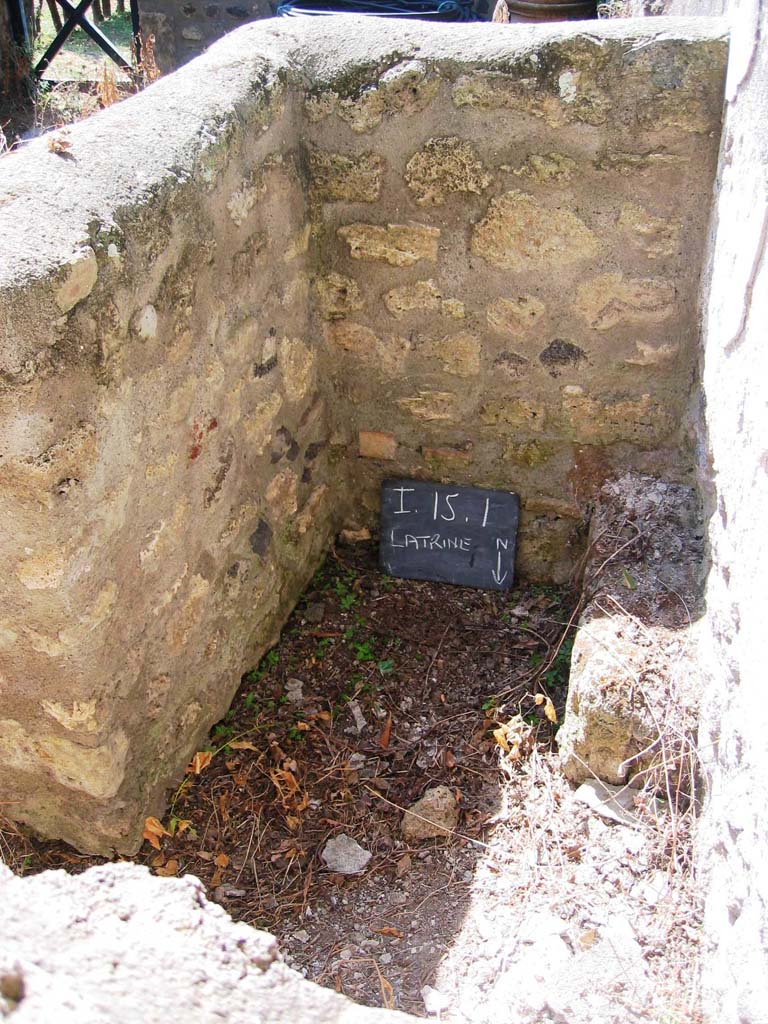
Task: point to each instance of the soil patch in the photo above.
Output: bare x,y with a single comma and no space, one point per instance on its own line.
379,691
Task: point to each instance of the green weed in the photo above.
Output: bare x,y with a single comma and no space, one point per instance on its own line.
363,651
556,676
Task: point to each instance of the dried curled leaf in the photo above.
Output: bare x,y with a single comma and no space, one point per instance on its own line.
199,762
168,870
386,733
153,831
59,143
500,735
515,738
387,993
549,707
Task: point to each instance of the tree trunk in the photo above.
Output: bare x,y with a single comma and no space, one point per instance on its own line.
97,14
106,8
121,6
55,16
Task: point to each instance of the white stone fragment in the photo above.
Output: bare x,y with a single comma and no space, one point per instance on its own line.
344,855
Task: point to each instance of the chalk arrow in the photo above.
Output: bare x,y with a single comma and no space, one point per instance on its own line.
496,573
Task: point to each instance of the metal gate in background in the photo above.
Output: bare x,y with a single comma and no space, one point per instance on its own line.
74,17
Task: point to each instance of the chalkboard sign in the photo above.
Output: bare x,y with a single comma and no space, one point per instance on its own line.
448,533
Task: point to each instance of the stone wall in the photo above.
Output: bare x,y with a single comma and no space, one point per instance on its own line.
184,30
733,476
164,464
311,259
734,471
511,273
113,941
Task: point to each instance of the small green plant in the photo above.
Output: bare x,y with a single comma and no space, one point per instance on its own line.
250,700
270,659
322,648
386,667
489,705
363,651
557,674
221,732
342,588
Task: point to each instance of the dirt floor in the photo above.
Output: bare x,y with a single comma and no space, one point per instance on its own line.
528,906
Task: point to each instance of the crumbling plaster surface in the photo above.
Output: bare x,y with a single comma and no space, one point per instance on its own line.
733,477
319,255
734,469
117,944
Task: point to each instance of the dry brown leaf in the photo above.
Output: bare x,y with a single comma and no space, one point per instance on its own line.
449,761
221,860
284,782
393,933
59,144
158,860
153,831
302,727
169,870
515,737
403,865
293,822
500,735
224,799
386,733
67,858
205,855
549,707
242,745
200,762
387,993
587,938
324,716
